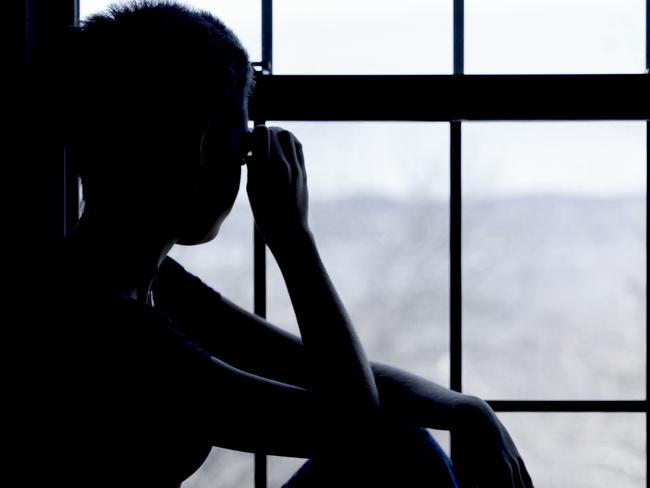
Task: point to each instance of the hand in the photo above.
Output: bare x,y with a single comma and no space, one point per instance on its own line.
484,453
277,186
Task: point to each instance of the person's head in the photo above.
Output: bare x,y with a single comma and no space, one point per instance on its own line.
161,117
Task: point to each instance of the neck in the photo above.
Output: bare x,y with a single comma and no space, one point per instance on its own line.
124,253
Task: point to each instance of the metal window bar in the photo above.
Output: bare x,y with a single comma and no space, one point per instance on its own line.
259,298
455,217
456,222
647,142
455,256
259,247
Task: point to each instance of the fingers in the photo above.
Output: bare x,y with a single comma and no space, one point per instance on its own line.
288,144
276,185
274,146
266,166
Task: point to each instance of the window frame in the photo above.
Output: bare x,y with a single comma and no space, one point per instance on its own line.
389,98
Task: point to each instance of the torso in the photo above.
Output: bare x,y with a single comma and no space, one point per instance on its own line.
112,389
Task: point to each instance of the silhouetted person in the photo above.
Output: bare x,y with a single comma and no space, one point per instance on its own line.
146,367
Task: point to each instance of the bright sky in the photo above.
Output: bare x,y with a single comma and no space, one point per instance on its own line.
415,36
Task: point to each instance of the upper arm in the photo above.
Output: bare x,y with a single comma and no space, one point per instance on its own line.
222,404
226,330
242,411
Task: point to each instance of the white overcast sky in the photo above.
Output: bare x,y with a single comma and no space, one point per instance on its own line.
415,36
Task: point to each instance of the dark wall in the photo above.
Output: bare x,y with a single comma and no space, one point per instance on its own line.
33,156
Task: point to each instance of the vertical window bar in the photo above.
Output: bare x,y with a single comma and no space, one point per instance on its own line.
647,155
267,34
259,297
259,247
455,222
647,369
459,37
259,271
75,13
455,279
455,208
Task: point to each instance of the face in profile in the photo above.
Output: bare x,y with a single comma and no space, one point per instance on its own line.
222,149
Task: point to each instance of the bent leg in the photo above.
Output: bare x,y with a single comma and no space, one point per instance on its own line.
397,457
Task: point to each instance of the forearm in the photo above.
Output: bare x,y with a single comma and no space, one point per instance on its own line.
403,396
334,354
254,345
413,400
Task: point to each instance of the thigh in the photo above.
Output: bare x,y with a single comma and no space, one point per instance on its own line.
395,457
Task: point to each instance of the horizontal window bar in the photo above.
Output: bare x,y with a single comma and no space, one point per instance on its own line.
452,97
569,406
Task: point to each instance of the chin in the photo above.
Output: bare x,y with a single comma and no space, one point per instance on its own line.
200,234
210,235
198,238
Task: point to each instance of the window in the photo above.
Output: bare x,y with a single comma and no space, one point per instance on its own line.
520,196
362,37
381,222
555,36
553,259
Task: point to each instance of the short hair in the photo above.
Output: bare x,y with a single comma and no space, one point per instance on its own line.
154,67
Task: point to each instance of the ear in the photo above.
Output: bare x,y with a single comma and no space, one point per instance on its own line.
187,151
211,146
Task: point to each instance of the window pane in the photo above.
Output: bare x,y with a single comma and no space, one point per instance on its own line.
554,260
555,36
379,211
224,469
280,469
362,37
242,16
581,450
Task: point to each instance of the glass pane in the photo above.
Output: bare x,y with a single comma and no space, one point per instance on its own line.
554,260
555,36
379,211
362,37
443,438
581,450
280,469
224,469
242,16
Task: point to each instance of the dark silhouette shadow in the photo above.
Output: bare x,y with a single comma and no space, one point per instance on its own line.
141,366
